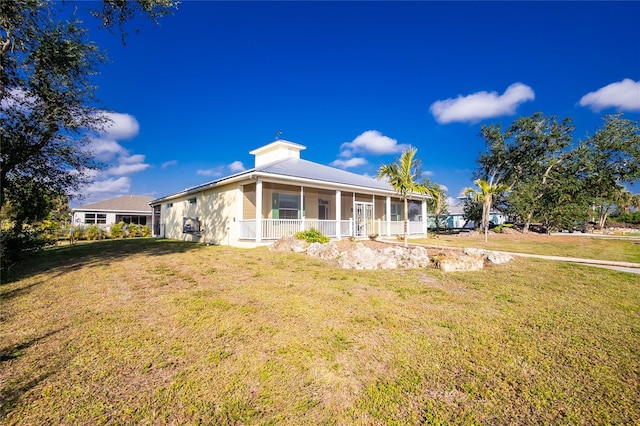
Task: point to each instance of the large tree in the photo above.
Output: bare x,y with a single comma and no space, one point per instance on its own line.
402,176
47,103
610,158
527,157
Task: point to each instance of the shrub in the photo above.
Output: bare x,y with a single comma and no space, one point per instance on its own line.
15,247
92,232
78,233
133,230
312,235
116,230
146,231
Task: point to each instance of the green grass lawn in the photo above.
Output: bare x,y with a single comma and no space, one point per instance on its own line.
625,249
159,332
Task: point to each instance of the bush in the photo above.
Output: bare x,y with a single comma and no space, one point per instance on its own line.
92,232
15,247
116,230
146,231
78,233
133,230
312,235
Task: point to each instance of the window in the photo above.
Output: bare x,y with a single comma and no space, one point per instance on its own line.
191,200
93,218
285,206
169,205
396,212
137,220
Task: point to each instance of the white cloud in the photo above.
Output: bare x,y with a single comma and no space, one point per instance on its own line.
479,106
168,163
119,185
126,169
352,162
132,159
216,171
371,141
623,95
122,126
236,166
105,150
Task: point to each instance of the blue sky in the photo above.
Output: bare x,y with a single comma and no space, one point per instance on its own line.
355,82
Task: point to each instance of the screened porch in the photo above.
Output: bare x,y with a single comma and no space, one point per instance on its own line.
287,209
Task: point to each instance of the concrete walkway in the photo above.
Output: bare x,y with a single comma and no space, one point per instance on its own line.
633,268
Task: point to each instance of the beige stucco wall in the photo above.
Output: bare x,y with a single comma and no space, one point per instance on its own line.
218,212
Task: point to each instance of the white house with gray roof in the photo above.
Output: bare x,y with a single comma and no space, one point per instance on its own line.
127,208
281,195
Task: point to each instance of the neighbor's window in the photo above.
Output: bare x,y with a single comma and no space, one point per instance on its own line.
95,218
137,220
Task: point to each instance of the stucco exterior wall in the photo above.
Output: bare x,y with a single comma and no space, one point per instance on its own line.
216,210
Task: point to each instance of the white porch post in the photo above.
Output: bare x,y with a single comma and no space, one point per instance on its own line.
302,212
258,211
353,215
388,214
425,225
338,212
373,216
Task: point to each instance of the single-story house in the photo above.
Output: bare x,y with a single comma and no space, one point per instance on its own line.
127,208
281,195
456,217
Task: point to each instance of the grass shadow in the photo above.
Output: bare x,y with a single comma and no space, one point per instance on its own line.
11,391
63,259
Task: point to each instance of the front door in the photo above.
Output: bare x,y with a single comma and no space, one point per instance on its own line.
363,219
323,210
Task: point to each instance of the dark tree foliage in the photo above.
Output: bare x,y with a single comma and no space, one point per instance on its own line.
551,179
47,102
610,158
527,158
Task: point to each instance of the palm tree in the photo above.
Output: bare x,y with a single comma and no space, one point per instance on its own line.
400,176
485,195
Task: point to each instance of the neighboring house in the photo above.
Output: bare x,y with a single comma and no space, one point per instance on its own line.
281,195
127,208
456,217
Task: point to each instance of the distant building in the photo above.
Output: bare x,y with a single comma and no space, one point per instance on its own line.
456,217
127,208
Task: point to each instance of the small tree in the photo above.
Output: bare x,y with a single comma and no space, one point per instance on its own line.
485,194
438,203
401,176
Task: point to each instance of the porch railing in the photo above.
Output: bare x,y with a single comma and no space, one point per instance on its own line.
273,229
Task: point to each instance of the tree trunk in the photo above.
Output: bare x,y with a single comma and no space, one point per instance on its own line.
406,223
486,207
527,223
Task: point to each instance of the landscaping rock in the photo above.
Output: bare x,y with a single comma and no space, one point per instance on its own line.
458,261
489,256
358,257
323,251
290,244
